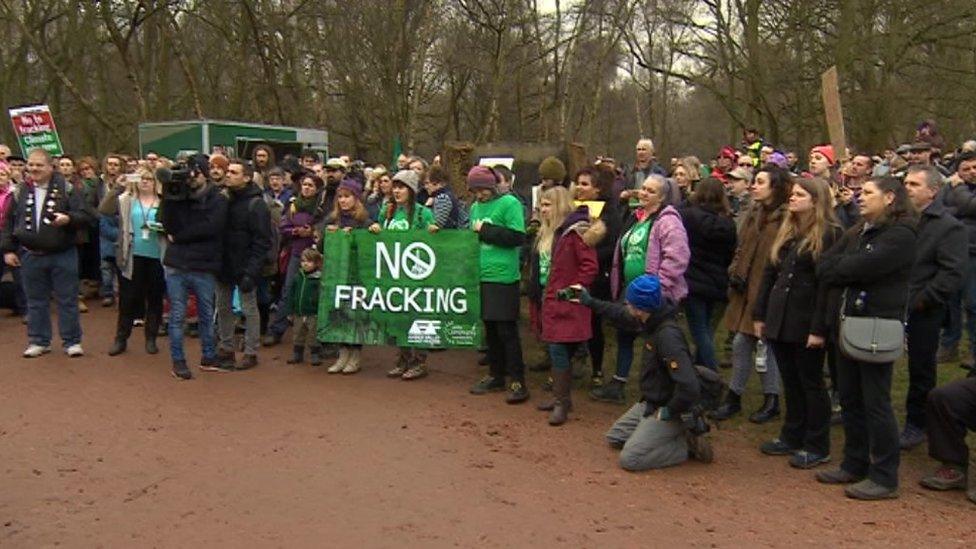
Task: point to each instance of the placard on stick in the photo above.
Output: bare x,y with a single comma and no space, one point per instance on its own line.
35,128
830,90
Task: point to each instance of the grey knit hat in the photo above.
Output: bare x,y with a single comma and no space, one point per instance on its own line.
408,178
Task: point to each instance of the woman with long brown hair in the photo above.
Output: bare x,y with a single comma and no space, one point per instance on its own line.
791,312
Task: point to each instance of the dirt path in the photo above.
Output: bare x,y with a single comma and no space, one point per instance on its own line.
113,452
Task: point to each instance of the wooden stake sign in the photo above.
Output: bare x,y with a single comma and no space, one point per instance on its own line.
830,91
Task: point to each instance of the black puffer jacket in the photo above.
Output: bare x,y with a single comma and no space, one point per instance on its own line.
22,230
712,241
195,225
873,265
247,235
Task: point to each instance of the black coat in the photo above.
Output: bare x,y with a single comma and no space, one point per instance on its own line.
961,202
940,258
23,231
195,225
792,301
712,241
873,266
668,377
247,235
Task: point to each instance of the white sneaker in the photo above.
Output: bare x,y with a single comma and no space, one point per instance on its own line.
74,351
340,363
34,351
352,364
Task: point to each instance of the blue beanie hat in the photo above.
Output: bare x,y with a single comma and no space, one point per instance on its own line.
644,293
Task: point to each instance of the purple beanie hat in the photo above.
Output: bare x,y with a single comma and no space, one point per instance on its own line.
352,186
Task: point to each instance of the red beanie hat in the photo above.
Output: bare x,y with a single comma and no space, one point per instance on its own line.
481,177
827,151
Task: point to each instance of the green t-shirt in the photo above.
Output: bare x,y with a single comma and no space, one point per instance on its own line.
498,263
633,250
545,260
422,217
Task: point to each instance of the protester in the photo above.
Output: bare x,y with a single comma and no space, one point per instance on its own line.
500,224
263,160
711,242
938,274
756,236
381,194
739,182
138,251
449,212
950,411
246,242
651,434
89,256
348,214
405,214
686,175
872,265
654,242
959,198
7,199
39,238
304,299
113,179
194,216
791,312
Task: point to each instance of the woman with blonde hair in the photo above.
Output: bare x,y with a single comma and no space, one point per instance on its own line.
687,174
792,313
138,254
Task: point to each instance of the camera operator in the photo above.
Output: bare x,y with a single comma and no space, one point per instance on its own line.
193,213
653,433
247,241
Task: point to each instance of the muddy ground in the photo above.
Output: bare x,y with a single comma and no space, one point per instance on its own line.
113,452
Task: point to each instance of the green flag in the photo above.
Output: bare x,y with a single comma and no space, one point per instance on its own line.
408,289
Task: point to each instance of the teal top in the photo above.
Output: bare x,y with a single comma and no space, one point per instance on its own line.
145,241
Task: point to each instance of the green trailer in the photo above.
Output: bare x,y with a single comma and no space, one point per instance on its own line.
169,139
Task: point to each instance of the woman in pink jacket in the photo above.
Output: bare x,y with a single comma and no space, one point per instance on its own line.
654,242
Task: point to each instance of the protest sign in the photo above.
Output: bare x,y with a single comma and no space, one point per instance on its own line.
34,127
830,90
408,289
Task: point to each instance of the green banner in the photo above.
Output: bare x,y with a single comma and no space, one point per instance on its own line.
407,289
34,126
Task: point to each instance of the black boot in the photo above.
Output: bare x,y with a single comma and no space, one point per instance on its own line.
118,347
729,408
297,355
768,411
315,356
151,346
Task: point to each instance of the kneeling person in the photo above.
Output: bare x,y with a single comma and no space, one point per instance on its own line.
652,433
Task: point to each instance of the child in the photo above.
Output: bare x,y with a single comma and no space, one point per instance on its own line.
404,214
449,212
304,299
348,213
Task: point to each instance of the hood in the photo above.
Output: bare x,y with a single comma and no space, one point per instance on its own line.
591,231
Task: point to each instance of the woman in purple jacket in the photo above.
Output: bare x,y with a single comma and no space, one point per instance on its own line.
654,242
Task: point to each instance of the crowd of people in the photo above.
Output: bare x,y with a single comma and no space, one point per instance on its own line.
820,274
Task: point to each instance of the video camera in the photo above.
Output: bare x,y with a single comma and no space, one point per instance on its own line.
176,180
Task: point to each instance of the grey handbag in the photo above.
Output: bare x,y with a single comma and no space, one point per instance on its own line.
870,339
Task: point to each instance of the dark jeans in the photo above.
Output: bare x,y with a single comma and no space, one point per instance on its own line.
279,323
625,354
870,429
562,355
807,421
45,274
923,345
951,411
699,313
504,350
141,295
963,302
596,345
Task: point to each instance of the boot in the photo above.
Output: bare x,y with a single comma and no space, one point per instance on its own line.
352,364
732,406
315,356
151,347
118,347
562,390
611,392
297,355
339,364
768,411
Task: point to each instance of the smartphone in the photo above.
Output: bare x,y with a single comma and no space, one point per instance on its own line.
132,178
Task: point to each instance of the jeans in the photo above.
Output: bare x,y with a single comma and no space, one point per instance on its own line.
807,421
743,346
965,300
951,411
178,284
923,338
625,354
226,321
504,350
141,295
42,275
279,324
107,288
561,355
649,443
699,313
870,429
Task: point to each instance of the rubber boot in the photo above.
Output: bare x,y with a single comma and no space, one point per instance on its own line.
729,408
315,356
562,390
768,411
297,355
339,364
118,347
352,364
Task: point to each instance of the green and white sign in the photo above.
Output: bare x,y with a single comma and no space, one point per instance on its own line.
407,289
35,128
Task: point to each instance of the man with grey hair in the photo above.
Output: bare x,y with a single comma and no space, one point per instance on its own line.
938,273
644,167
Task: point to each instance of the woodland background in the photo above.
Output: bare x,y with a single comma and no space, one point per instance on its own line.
687,73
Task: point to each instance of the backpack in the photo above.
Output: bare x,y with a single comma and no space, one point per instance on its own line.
270,265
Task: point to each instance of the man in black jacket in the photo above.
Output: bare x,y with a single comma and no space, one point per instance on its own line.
940,265
959,196
39,237
194,219
652,433
247,240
